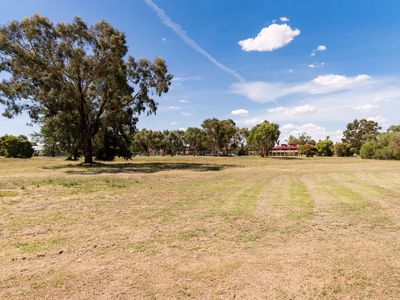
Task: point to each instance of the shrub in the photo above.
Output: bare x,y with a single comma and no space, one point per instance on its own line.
368,149
16,146
325,147
307,150
387,146
383,153
342,149
394,144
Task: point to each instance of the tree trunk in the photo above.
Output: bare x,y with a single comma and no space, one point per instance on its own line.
53,152
88,150
87,144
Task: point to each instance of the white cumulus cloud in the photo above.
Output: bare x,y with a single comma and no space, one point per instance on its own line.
240,112
334,81
284,19
272,37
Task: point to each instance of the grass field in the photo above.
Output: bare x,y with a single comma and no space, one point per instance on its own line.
200,227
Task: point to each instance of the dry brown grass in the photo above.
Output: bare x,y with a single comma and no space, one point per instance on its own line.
200,227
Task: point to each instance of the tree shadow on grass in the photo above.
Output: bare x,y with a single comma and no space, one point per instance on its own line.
104,168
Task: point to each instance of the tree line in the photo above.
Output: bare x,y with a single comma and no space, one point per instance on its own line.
214,137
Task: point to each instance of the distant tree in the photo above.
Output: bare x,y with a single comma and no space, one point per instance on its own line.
143,141
302,139
47,138
325,147
16,146
78,70
263,137
358,132
308,150
174,141
342,149
2,146
385,146
219,134
395,128
159,142
394,144
240,141
195,138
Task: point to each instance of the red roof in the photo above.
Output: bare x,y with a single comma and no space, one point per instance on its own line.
285,147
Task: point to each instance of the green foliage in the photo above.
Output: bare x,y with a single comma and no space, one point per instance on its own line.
16,146
358,132
72,74
110,143
263,137
174,142
240,141
368,149
325,147
395,128
302,139
219,135
386,146
195,139
308,150
342,149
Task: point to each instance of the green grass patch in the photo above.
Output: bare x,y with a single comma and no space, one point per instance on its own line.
4,194
191,234
301,201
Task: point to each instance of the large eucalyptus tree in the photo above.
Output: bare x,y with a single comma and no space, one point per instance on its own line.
76,69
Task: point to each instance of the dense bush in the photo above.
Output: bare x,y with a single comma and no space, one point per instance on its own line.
308,150
16,146
368,149
325,147
386,146
342,149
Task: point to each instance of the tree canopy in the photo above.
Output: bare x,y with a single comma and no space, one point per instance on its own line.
263,137
72,73
358,132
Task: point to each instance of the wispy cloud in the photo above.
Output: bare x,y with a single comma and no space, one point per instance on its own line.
264,91
366,107
189,41
291,111
317,132
320,48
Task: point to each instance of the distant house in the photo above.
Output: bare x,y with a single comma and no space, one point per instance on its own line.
284,150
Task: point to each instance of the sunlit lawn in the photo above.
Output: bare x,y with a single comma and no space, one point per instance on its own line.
202,227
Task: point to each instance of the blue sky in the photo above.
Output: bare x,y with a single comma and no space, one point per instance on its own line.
310,66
